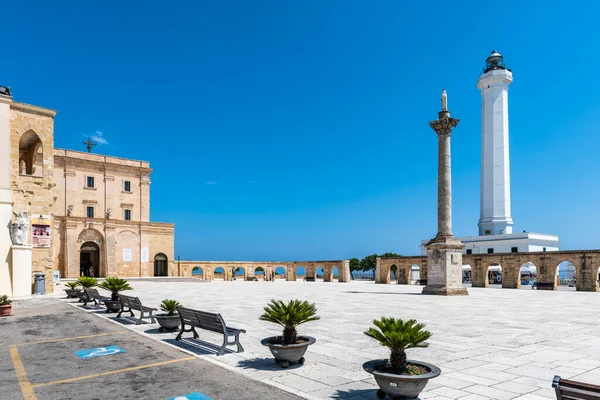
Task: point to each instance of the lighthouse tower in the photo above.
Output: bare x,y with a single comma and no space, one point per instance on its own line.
495,218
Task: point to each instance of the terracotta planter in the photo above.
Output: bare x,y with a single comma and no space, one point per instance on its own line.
400,386
168,322
5,310
288,354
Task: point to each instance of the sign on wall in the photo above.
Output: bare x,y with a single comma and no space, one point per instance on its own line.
40,230
144,254
127,255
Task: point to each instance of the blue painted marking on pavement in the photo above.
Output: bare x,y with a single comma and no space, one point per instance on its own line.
191,396
99,351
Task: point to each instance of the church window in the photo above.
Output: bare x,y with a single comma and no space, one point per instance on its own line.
127,186
514,249
90,181
469,251
89,211
490,250
127,215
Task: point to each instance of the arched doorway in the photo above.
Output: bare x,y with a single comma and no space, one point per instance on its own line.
280,272
161,265
197,272
393,273
89,260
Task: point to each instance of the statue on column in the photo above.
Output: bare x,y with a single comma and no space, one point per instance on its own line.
19,230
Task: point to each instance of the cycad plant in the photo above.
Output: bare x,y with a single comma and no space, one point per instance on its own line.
290,315
87,281
169,306
115,285
399,335
72,285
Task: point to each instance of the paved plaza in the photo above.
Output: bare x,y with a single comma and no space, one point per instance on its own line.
495,343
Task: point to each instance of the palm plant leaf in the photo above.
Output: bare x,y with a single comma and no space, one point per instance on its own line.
115,285
291,314
399,335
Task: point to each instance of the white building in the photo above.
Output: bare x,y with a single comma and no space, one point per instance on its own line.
495,221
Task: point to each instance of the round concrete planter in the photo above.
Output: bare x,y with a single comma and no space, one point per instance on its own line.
5,310
400,386
71,293
168,322
288,354
82,296
112,305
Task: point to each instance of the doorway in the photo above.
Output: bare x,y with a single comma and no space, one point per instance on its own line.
89,260
161,265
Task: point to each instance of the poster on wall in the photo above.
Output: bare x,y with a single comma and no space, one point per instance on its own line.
40,230
144,254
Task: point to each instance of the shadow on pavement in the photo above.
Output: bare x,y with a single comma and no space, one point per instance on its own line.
348,394
196,346
263,364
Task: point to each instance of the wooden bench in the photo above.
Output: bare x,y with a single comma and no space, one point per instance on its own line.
93,295
543,286
573,390
210,322
129,303
309,278
421,282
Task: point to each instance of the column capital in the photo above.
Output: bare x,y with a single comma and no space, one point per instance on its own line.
444,124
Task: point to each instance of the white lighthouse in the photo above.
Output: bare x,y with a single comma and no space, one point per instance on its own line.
495,216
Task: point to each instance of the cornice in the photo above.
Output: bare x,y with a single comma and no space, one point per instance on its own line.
30,108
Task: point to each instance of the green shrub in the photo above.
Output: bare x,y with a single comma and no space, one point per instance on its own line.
398,336
115,285
290,315
169,306
4,300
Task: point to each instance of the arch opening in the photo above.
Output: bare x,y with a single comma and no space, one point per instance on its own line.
300,273
280,273
320,273
89,260
259,273
197,273
31,155
467,275
494,275
239,272
161,265
219,273
527,274
415,273
393,273
566,275
336,274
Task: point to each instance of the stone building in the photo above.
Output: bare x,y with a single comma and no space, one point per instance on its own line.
90,214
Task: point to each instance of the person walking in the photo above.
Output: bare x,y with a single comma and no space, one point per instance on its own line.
91,270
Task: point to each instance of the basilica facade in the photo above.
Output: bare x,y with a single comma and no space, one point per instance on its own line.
90,214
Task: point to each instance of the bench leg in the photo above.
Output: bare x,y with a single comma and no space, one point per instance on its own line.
152,320
120,312
186,330
239,345
223,347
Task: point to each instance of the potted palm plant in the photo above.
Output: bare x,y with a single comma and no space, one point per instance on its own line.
289,348
170,319
114,285
5,306
72,289
85,282
398,377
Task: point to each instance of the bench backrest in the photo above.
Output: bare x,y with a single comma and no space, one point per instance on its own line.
131,302
573,390
201,319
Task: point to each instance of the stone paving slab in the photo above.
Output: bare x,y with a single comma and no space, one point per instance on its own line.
492,344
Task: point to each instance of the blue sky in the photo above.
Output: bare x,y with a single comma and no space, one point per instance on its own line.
285,130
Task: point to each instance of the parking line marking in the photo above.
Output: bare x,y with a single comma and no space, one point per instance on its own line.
118,371
73,338
26,387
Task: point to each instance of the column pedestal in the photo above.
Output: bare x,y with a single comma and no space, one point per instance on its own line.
21,270
444,267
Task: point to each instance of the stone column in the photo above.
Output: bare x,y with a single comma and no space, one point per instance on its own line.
5,196
344,272
444,252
